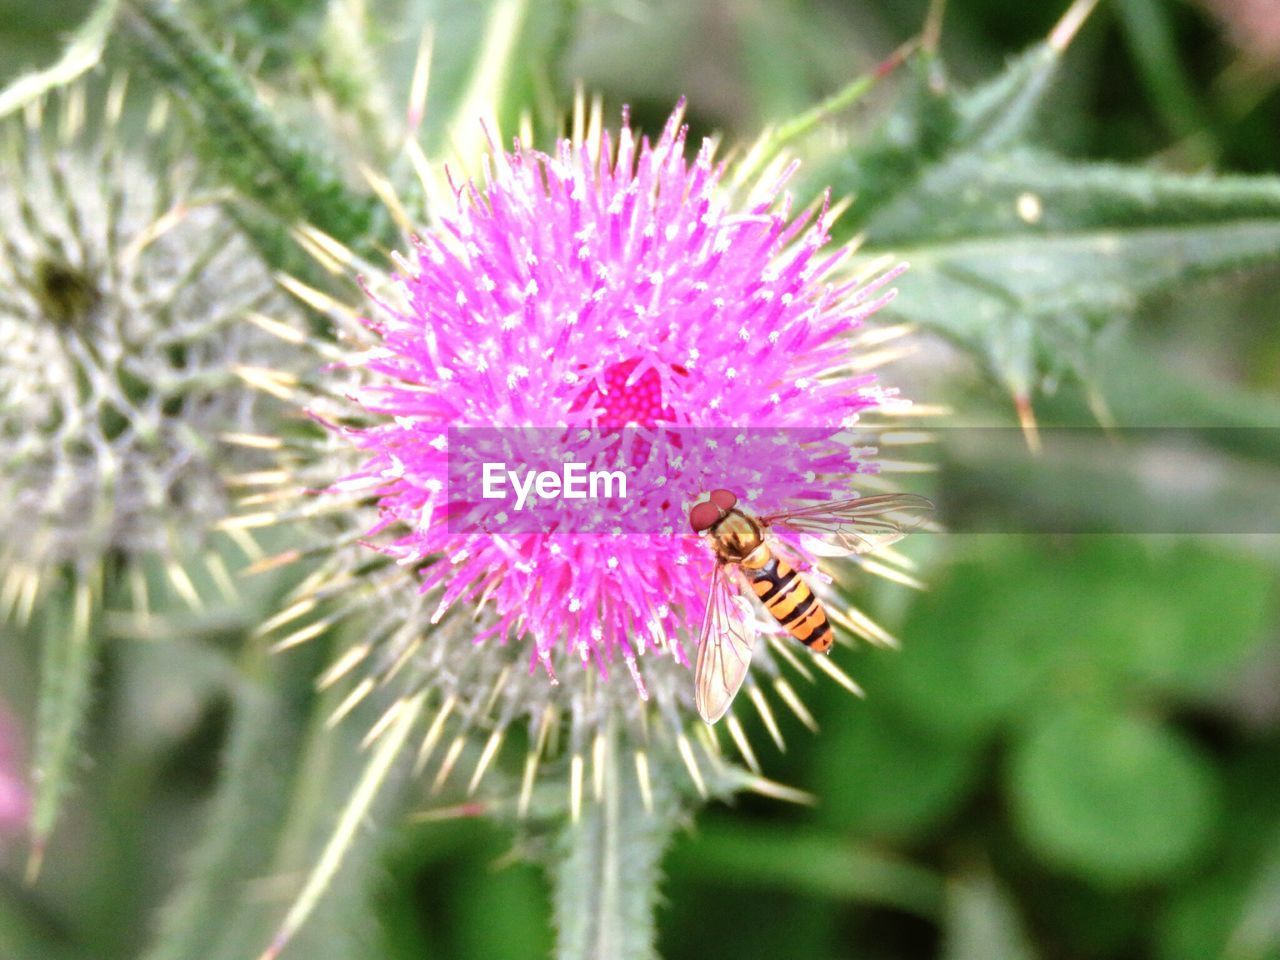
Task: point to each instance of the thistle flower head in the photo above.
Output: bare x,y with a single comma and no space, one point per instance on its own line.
615,296
119,288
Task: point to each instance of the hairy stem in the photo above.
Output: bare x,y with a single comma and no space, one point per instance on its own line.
607,875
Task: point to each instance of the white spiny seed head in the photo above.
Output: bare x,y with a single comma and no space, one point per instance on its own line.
122,296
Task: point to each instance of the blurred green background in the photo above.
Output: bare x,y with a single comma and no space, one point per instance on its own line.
1076,754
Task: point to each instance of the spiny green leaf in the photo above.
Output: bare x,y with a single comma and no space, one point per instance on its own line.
1019,256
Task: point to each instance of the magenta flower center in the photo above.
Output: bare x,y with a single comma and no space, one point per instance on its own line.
625,399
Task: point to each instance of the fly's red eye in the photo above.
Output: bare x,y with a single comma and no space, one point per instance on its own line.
703,516
724,499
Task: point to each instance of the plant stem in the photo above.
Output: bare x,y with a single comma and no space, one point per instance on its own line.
607,875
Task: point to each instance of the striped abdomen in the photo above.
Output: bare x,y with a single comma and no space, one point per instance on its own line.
788,598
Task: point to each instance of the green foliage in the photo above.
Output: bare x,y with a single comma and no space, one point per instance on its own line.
1115,798
1023,257
1075,753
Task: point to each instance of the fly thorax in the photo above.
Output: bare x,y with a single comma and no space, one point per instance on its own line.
737,537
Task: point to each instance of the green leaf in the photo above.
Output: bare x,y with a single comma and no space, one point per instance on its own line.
975,657
1021,257
1108,619
493,62
893,779
1039,256
1112,798
82,53
812,862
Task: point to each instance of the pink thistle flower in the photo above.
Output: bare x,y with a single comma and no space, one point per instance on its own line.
606,285
613,302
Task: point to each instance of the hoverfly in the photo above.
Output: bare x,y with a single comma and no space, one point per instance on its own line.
747,560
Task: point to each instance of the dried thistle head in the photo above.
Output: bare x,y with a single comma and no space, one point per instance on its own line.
122,294
613,285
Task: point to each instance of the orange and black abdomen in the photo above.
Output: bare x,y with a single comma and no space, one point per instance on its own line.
788,598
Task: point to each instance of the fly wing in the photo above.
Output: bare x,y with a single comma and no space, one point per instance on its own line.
724,647
860,525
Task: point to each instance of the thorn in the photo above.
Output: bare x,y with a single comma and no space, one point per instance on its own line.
278,329
342,666
886,572
861,625
767,717
299,637
456,812
783,649
254,441
533,759
1027,418
597,765
792,700
265,564
575,787
447,765
742,743
271,382
292,612
385,192
433,733
827,666
932,32
35,861
642,777
182,583
331,254
361,690
780,791
486,757
896,59
221,577
384,721
419,84
1066,29
691,764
